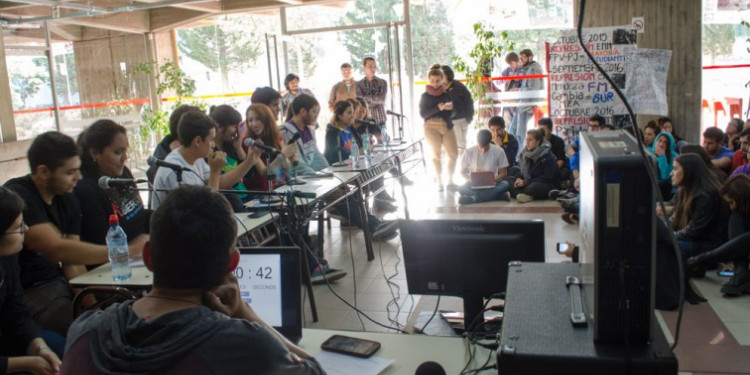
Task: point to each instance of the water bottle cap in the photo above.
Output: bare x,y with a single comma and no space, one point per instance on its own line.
113,220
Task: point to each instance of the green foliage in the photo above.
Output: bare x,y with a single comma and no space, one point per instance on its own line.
25,86
489,46
718,40
222,48
66,88
432,34
170,79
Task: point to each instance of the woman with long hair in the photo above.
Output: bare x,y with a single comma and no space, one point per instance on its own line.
697,215
261,127
340,134
104,152
736,192
436,108
24,350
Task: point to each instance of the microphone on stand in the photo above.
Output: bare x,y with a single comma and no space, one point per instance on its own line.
249,142
430,368
365,122
152,161
110,182
389,112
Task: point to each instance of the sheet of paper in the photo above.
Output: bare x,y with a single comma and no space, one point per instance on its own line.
342,364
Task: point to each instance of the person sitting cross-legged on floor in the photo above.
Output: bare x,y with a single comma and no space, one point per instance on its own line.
485,156
537,173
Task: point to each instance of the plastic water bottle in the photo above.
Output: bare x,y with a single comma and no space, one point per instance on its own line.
354,155
384,134
366,145
117,249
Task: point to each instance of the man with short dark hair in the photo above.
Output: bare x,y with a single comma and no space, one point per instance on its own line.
502,138
556,143
344,89
268,96
713,143
52,251
374,90
740,156
485,156
196,133
170,141
193,321
596,122
305,110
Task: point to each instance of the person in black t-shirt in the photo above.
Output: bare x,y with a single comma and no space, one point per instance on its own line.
104,151
23,348
557,146
53,252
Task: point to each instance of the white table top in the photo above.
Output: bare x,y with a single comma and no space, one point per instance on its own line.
408,351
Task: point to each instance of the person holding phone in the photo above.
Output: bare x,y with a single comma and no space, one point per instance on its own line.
436,108
193,320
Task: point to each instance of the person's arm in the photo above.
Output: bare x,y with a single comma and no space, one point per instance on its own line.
704,211
216,161
46,239
94,217
501,173
465,164
427,107
664,167
548,172
231,178
332,144
511,150
722,163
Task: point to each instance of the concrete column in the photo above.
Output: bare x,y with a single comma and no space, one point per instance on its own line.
7,121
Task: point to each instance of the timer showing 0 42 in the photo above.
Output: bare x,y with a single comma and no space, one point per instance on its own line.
265,273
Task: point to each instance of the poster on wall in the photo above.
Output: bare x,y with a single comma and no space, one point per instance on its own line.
577,89
647,90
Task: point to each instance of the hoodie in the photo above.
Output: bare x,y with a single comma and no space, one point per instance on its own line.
664,162
310,158
195,341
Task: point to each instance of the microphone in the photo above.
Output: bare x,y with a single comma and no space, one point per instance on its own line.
109,182
152,161
365,122
389,112
430,368
249,142
294,138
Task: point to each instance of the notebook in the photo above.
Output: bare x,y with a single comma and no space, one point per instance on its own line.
482,180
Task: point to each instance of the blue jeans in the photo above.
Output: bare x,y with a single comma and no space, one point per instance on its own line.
500,191
519,123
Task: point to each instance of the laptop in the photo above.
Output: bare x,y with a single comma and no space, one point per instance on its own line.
482,180
270,282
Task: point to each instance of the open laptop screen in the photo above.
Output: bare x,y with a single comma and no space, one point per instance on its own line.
269,280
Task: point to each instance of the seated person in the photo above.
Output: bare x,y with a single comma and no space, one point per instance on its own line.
713,170
239,161
485,156
557,146
736,192
649,133
196,133
732,134
267,96
537,173
740,156
664,150
698,216
305,110
713,143
743,169
500,137
52,251
23,348
170,141
185,325
261,127
104,151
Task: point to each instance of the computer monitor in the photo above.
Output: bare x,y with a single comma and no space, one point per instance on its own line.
269,279
467,258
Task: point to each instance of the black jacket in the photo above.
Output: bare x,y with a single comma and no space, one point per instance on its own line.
428,108
544,170
462,101
707,220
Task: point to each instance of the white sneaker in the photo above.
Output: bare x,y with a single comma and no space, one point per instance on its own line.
524,198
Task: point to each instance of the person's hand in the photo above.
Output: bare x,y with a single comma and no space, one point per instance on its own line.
448,106
518,183
289,151
226,299
442,106
51,358
237,141
40,366
135,246
571,248
659,150
659,211
217,160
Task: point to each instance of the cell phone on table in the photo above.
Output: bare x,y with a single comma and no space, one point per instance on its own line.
351,346
562,247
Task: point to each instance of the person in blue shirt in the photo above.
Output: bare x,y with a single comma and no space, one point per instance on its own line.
713,143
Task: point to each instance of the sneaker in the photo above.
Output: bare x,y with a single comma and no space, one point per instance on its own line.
567,196
570,218
320,276
555,193
451,186
387,236
466,199
385,206
739,284
524,198
384,227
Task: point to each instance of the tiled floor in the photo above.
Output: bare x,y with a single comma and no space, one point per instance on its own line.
715,336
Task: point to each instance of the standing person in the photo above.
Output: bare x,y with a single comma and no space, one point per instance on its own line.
52,250
697,219
502,138
104,151
463,104
525,112
374,90
193,320
344,89
538,173
485,156
436,108
291,83
196,132
513,69
23,348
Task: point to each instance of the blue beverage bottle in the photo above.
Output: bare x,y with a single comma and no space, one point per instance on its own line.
117,249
